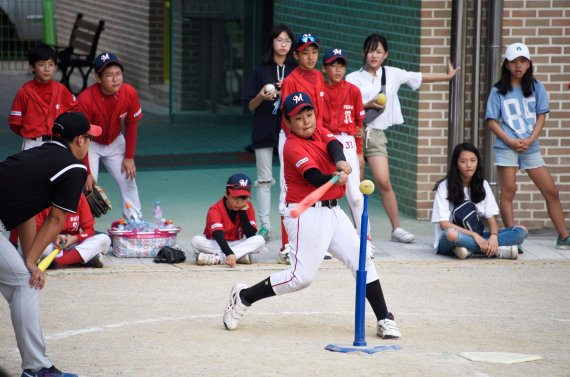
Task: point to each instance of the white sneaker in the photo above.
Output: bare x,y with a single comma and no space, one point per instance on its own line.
370,249
205,259
283,255
402,235
387,328
235,308
244,260
508,252
461,252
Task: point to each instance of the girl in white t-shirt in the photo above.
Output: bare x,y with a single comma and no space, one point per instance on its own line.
465,181
369,80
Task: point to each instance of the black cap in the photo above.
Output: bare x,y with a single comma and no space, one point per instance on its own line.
72,124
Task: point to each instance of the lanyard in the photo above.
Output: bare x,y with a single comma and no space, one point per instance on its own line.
281,76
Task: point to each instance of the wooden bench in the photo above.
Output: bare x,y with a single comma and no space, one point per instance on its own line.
81,51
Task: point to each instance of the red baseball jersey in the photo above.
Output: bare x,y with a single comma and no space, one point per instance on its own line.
344,110
300,155
310,82
218,219
80,223
109,112
36,106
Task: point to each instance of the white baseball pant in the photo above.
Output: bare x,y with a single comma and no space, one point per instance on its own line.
112,156
88,249
353,194
311,235
24,303
253,244
31,143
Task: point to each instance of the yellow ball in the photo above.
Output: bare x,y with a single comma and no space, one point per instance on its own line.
381,99
367,187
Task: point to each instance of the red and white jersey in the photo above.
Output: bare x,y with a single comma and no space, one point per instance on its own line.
344,110
37,105
310,82
300,155
110,112
218,219
80,223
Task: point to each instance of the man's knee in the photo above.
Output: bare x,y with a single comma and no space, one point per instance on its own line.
452,235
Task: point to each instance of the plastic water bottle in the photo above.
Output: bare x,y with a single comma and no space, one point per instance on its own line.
157,214
132,213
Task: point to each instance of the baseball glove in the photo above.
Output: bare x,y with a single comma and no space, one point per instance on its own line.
98,201
169,254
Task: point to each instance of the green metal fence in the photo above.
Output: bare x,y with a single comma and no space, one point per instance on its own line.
21,26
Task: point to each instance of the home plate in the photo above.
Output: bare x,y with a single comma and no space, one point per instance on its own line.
499,357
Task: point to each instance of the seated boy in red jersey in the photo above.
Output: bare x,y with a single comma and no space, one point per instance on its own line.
79,243
230,233
41,100
343,113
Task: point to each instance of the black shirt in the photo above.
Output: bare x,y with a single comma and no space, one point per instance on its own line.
266,125
37,178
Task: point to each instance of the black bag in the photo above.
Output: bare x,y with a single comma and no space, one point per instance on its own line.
465,215
372,114
169,254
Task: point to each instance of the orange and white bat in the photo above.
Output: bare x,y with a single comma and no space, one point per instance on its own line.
44,264
310,199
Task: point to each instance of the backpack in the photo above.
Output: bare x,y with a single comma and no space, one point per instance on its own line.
372,114
465,215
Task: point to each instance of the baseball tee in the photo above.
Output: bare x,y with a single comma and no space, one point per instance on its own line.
38,178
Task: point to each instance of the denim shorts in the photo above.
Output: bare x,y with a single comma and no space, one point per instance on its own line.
508,157
375,142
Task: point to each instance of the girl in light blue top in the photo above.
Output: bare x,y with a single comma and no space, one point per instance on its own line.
516,112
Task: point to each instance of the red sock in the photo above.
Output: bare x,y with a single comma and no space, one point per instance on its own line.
284,236
69,257
14,236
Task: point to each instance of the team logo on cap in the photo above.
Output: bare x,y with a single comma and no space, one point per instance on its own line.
105,57
243,182
519,48
337,51
298,98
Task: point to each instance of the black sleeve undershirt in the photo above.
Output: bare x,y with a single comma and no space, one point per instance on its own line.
220,238
334,147
314,176
246,226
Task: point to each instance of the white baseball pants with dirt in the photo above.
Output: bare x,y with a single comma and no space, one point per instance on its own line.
353,194
311,235
24,304
112,156
264,164
253,244
88,249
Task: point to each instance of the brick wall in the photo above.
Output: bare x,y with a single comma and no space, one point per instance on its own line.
545,27
346,24
133,30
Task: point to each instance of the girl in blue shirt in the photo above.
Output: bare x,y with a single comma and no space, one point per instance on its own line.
516,112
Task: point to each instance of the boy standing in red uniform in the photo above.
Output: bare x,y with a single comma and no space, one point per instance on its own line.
230,233
41,100
344,112
38,103
109,103
305,78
